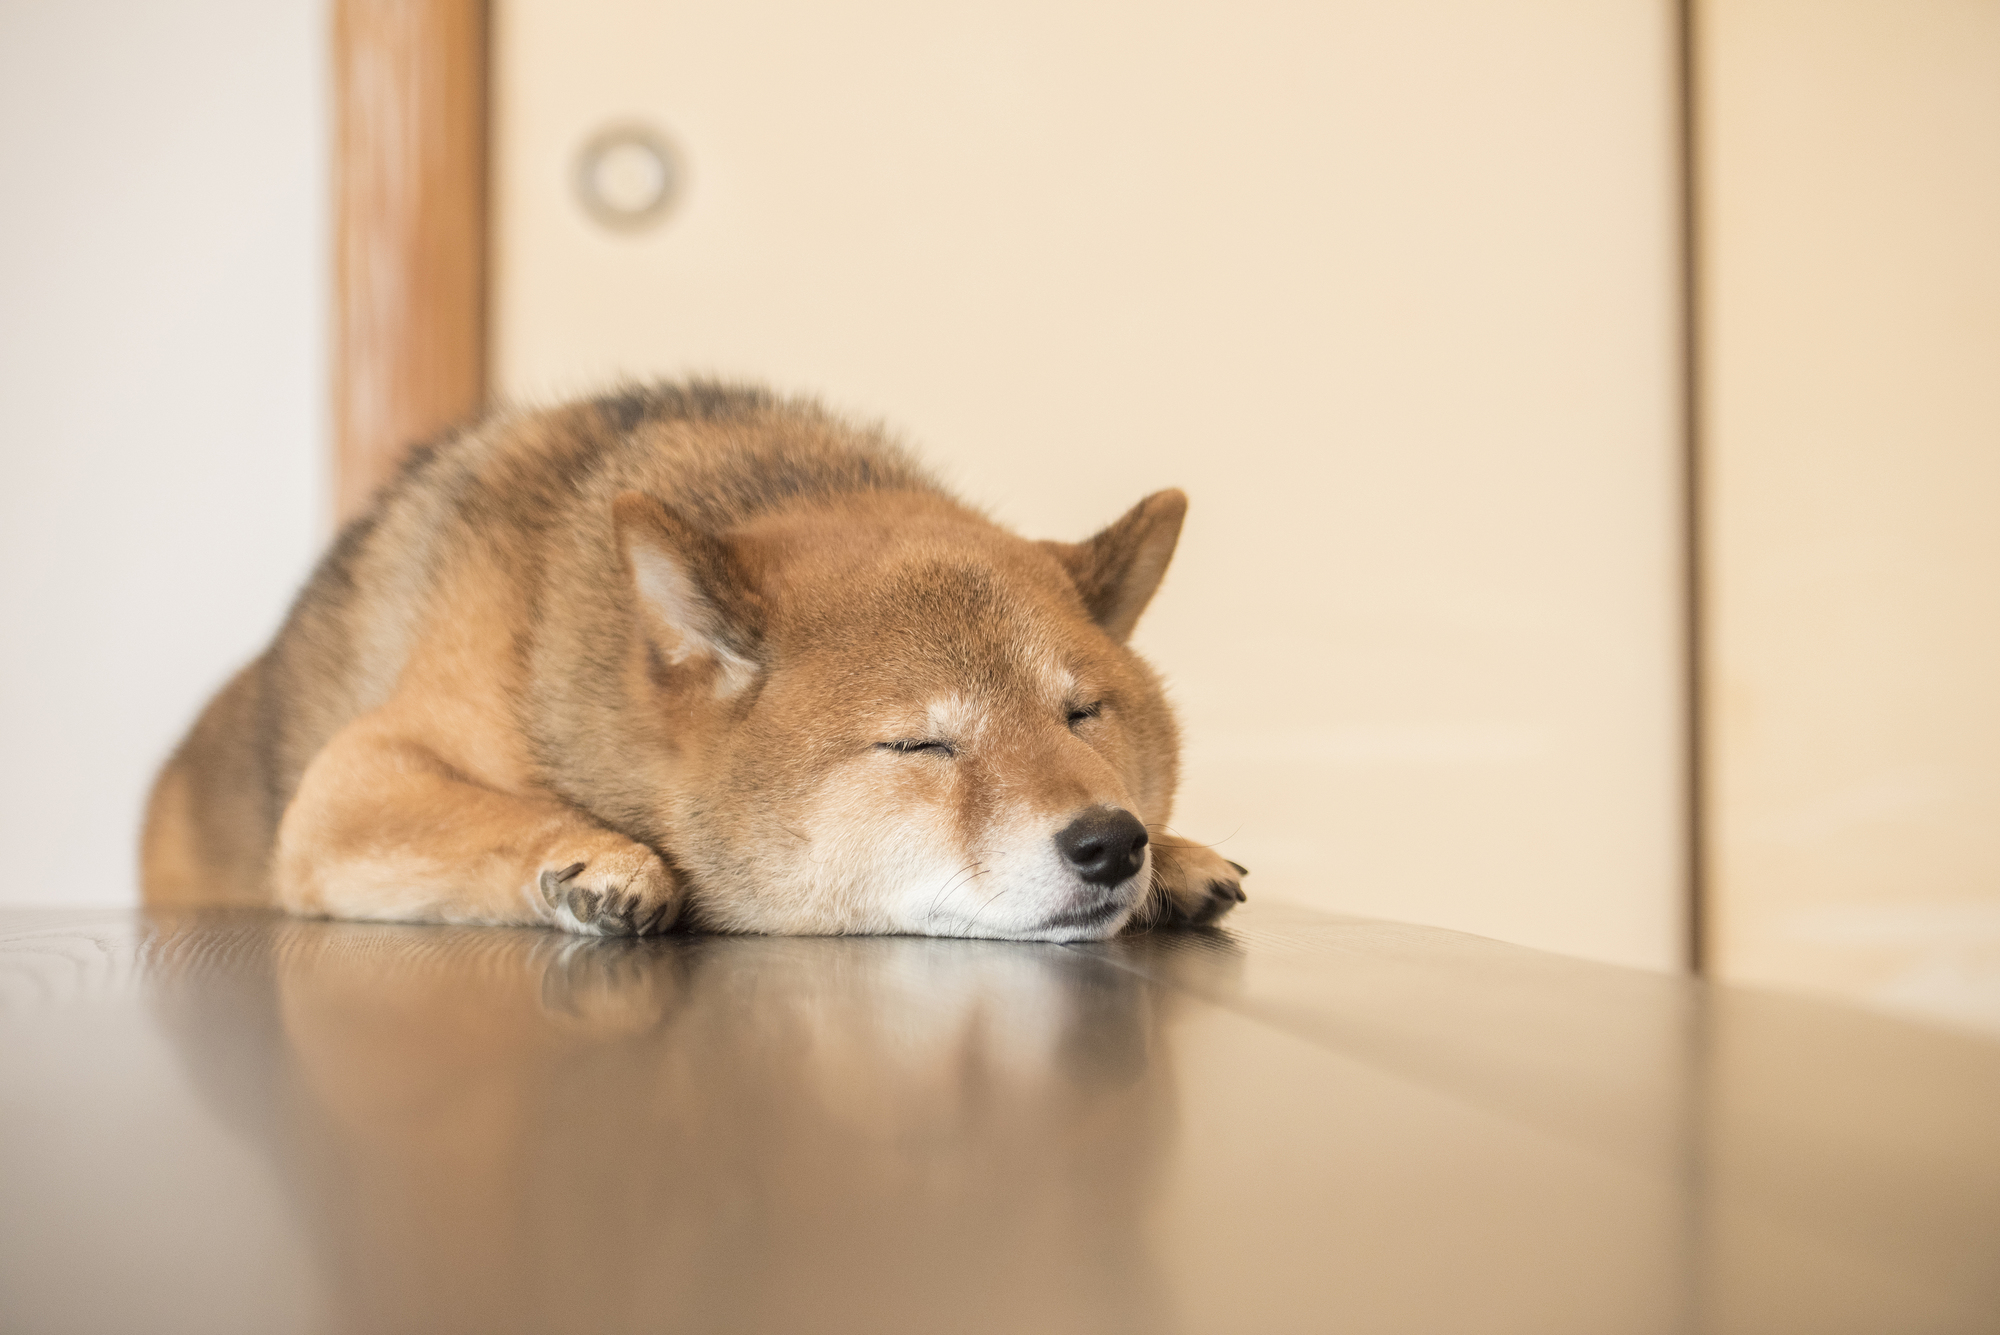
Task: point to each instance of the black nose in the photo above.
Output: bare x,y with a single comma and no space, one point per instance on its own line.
1104,844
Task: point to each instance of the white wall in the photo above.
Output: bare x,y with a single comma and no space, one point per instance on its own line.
162,281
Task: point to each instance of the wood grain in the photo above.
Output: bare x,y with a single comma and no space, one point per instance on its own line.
410,230
56,957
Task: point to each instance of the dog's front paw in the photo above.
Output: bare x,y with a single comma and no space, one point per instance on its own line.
1192,884
617,891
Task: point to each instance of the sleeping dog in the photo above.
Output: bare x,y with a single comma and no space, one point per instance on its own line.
697,655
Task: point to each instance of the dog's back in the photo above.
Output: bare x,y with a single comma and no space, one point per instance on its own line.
511,495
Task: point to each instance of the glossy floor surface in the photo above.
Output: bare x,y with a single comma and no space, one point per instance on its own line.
1301,1123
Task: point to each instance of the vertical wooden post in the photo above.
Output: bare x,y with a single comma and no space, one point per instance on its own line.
409,339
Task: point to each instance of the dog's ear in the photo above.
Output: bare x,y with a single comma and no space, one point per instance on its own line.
1118,571
694,606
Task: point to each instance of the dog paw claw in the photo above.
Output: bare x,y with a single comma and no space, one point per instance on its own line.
1222,897
1193,885
630,893
552,882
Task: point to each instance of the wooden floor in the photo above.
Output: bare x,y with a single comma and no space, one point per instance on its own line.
245,1123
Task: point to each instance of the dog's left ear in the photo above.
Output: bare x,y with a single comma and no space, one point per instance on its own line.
693,604
1118,571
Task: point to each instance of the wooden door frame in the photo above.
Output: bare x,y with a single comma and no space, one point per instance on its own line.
1697,923
410,231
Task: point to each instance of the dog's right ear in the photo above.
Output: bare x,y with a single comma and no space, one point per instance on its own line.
694,606
1118,571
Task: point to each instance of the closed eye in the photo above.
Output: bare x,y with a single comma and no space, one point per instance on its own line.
1081,712
910,746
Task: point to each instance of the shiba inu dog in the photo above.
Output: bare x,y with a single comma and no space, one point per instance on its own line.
699,655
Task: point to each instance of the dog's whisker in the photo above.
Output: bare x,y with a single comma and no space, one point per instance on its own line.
1195,843
976,870
989,901
950,884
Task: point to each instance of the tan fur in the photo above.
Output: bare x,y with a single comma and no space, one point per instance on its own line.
639,660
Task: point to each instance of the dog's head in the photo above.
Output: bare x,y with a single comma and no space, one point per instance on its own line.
886,714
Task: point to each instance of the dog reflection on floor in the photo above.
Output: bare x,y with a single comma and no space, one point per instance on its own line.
492,1130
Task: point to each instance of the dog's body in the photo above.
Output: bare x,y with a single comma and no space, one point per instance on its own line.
696,654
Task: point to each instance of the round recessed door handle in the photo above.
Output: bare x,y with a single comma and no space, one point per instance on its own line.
628,176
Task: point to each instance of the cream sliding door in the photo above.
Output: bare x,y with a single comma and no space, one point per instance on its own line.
1851,298
1391,289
